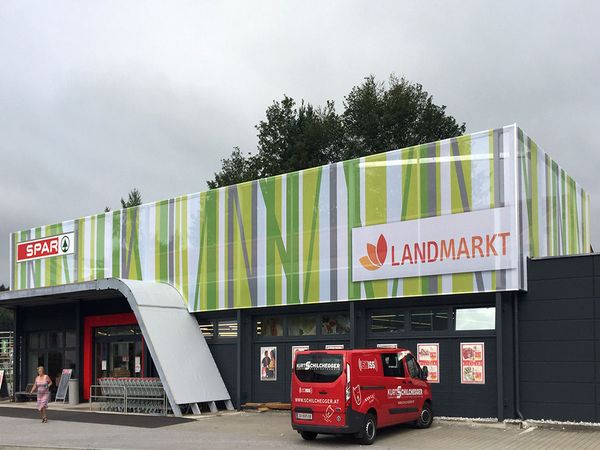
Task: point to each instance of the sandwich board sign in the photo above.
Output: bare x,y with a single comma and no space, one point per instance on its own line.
63,386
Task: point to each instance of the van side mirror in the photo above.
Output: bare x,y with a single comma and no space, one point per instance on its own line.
424,373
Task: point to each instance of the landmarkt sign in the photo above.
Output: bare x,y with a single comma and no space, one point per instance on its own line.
467,242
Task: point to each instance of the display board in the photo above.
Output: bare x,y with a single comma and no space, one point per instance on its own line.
429,355
472,363
63,386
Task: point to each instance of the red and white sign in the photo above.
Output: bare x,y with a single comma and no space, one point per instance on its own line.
455,243
472,363
63,244
429,355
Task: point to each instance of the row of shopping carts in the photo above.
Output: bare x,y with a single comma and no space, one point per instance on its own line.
129,395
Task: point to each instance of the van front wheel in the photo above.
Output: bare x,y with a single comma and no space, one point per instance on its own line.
426,416
308,435
369,430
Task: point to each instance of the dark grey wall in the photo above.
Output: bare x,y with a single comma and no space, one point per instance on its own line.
559,339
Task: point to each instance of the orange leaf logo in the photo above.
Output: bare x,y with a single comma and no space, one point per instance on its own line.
376,254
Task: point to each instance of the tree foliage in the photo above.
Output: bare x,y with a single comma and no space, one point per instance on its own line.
134,198
6,315
377,117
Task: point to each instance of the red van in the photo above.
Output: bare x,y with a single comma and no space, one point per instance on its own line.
357,392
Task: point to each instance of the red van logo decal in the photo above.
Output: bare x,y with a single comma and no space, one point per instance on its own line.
399,392
376,255
367,365
357,394
328,413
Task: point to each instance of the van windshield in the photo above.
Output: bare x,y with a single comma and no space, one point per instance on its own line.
318,367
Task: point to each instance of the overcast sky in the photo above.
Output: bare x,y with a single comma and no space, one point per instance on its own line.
99,97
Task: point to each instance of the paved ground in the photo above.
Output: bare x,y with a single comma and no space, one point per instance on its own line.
68,429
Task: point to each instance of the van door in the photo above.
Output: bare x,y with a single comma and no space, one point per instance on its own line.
318,390
418,387
396,409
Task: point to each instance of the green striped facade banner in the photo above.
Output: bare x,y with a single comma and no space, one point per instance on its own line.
288,239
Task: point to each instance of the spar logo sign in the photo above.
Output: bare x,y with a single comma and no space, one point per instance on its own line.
456,243
48,247
376,255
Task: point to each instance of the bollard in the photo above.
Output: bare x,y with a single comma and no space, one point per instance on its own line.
73,392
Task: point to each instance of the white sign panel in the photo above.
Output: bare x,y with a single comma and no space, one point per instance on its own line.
47,247
455,243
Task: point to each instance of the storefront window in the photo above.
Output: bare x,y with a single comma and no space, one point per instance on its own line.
207,329
55,339
387,323
432,320
302,326
126,330
335,324
475,319
54,350
269,326
70,339
227,328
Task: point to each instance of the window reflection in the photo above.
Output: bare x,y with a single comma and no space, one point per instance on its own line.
475,319
432,320
269,326
335,324
386,323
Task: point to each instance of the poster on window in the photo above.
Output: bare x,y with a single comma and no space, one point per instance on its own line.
429,355
268,364
296,349
472,363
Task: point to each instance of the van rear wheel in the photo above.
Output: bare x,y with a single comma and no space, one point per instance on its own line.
308,435
369,430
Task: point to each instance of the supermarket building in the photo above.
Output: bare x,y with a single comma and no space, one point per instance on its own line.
473,252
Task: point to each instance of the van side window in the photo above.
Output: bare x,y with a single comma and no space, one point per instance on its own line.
413,367
392,366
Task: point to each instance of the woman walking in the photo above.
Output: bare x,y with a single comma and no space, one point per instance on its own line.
42,383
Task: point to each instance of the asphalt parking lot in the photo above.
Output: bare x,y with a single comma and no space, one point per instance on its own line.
20,428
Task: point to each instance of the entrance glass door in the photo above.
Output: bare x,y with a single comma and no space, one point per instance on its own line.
118,352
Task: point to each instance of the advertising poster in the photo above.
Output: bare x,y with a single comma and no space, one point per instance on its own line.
472,363
268,364
429,355
298,348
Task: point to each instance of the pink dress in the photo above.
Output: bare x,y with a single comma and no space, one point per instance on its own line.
43,393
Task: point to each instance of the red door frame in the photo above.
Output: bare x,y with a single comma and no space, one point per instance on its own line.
89,323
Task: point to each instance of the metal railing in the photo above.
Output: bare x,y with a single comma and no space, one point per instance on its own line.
129,395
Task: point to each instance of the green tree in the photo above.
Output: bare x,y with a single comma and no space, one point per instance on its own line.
134,199
380,117
6,315
377,117
235,169
294,138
